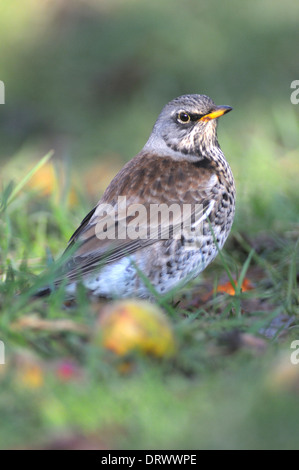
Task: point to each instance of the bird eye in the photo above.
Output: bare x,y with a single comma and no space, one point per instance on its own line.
184,117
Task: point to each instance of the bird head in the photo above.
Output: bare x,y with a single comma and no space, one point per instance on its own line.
188,124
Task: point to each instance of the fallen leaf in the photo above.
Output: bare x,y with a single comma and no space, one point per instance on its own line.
34,322
228,288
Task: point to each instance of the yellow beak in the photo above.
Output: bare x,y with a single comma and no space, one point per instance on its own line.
216,113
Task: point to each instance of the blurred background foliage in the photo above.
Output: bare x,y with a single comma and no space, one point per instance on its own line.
89,77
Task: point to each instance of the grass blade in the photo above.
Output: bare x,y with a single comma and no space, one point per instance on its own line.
28,176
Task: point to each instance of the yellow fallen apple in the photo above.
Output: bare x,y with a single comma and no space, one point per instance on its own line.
135,325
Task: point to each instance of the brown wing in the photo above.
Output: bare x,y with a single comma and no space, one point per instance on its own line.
145,180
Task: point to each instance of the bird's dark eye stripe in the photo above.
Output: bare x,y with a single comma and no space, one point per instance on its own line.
195,117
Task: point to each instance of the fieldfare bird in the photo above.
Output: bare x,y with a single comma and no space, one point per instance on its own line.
164,216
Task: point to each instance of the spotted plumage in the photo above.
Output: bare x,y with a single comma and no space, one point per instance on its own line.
181,164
